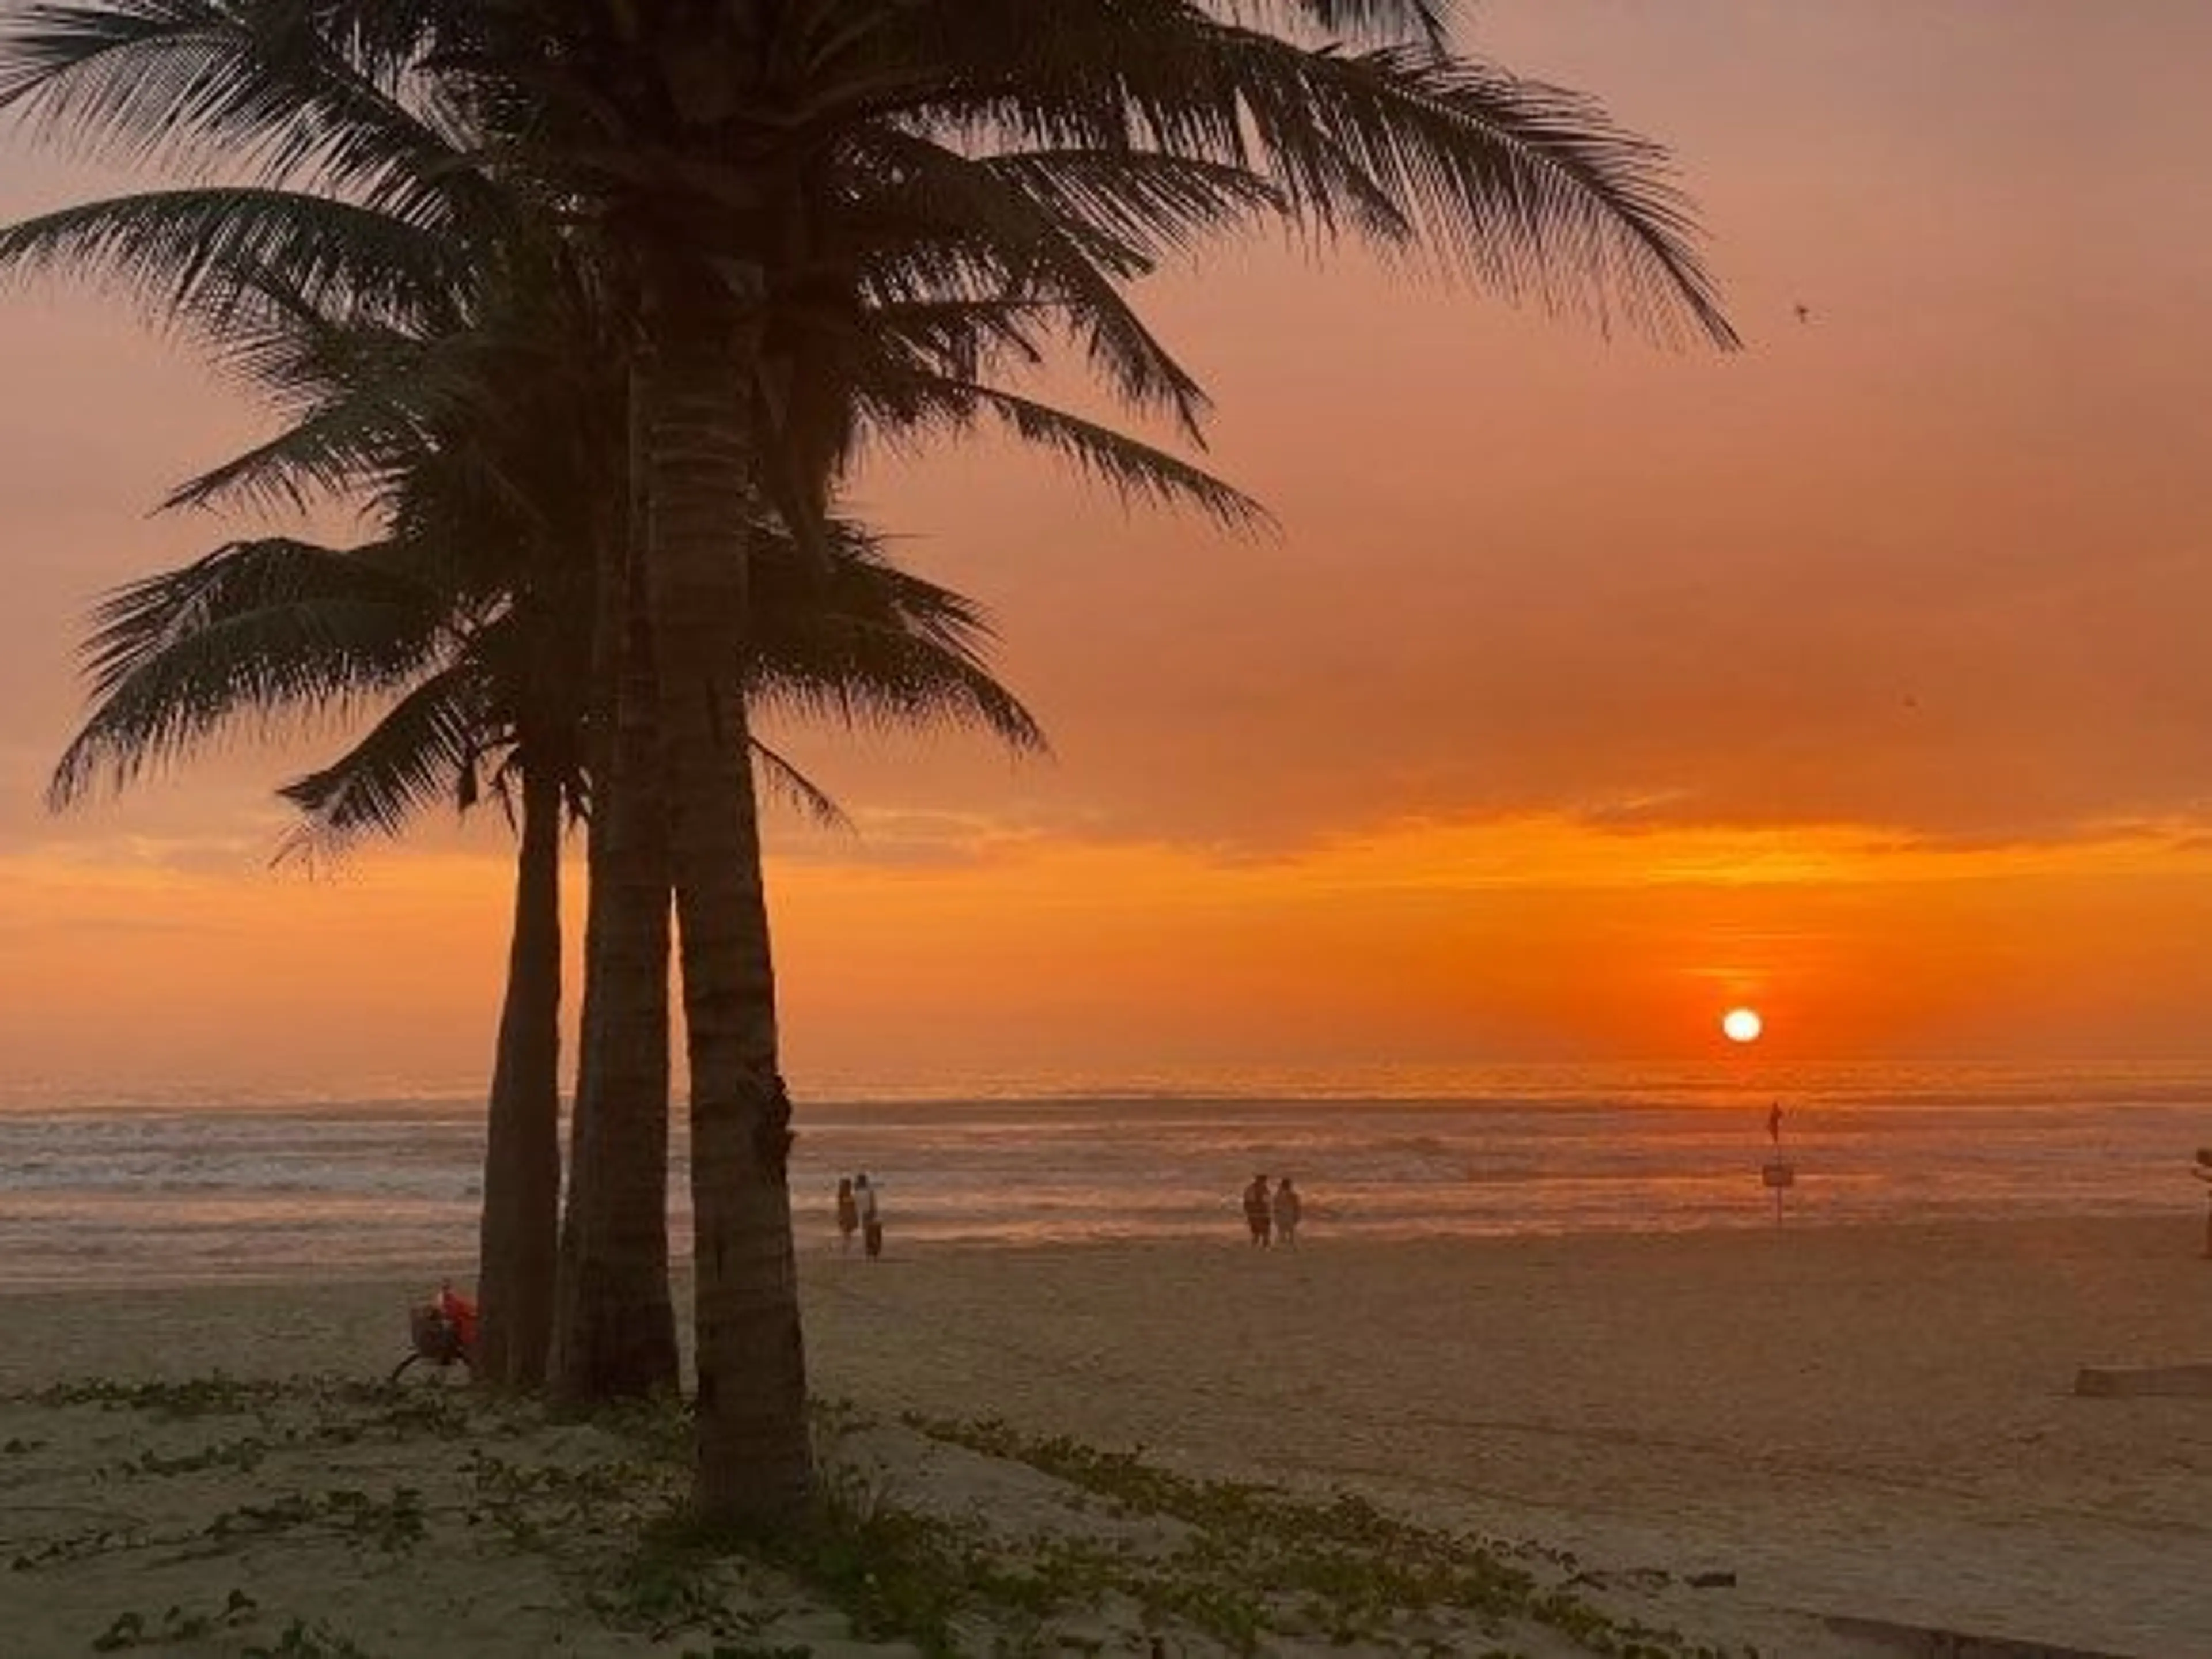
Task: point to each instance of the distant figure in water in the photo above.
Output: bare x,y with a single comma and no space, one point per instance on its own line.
1774,1123
848,1214
1256,1215
2203,1171
872,1220
1288,1209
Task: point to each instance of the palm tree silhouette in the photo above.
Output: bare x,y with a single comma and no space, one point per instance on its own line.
254,268
741,173
474,618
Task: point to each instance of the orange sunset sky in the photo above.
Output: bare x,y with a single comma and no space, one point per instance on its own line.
1588,687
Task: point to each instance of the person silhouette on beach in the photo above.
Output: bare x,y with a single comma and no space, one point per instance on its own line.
1288,1209
2203,1170
848,1214
1257,1214
1774,1123
872,1220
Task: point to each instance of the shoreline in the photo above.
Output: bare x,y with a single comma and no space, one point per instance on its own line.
817,1240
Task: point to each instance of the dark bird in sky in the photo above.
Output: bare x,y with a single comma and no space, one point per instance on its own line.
1804,312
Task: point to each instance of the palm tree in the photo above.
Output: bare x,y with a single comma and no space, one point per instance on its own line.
496,689
727,159
371,399
221,258
250,266
736,133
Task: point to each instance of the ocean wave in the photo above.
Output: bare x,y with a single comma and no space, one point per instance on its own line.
365,1181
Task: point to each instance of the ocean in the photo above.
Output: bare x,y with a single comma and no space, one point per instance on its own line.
98,1191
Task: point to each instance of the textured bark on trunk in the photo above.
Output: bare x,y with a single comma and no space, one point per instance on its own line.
616,1329
754,1462
517,1240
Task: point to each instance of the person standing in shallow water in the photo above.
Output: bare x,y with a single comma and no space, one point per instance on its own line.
1289,1210
1256,1216
872,1220
848,1214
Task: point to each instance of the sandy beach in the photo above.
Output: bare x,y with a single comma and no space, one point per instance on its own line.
1869,1422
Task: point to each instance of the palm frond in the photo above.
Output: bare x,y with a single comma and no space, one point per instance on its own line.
964,336
784,780
351,443
488,418
881,679
192,258
262,86
1021,218
1397,141
424,753
1148,201
1530,188
365,397
1139,472
1381,22
864,643
266,632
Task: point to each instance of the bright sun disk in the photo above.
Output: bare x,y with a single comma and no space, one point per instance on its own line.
1741,1025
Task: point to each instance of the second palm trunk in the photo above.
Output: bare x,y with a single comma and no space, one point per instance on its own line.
755,1466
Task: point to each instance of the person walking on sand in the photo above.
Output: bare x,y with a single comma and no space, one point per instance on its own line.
1256,1215
1288,1209
2203,1170
872,1220
849,1215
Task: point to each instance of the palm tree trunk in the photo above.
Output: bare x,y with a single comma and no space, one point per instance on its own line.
517,1242
754,1466
616,1329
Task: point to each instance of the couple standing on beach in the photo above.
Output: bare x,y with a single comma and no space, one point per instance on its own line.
1272,1218
857,1213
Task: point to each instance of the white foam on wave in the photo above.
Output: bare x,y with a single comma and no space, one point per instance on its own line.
100,1193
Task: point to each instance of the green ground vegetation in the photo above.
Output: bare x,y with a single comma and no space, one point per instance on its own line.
956,1540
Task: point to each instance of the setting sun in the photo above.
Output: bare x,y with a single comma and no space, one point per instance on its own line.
1741,1025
